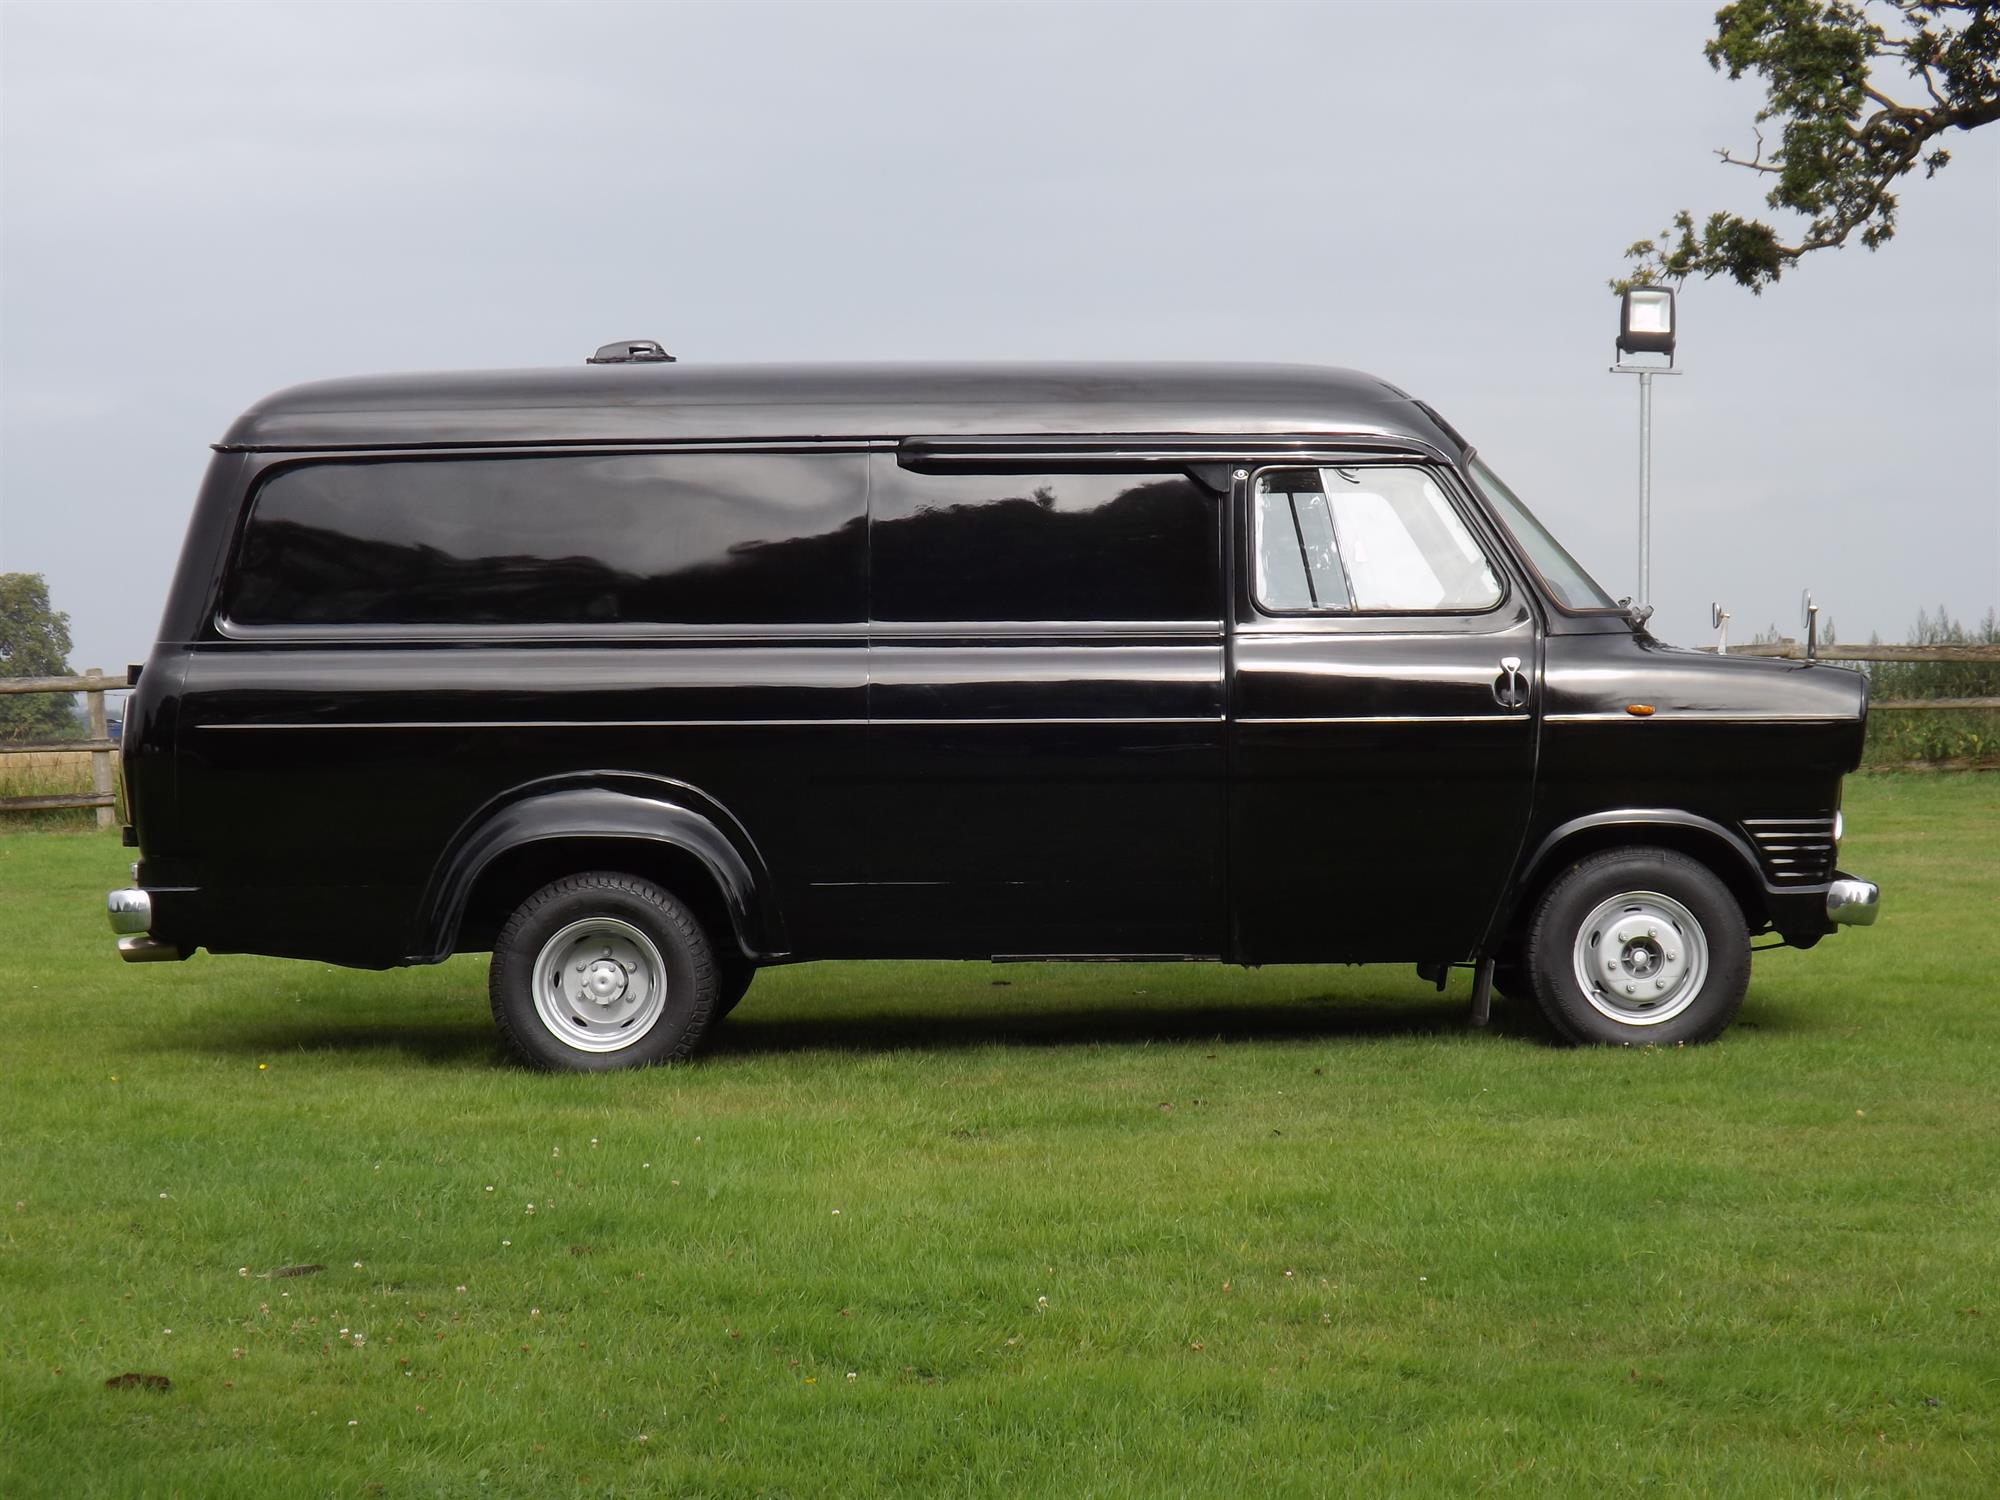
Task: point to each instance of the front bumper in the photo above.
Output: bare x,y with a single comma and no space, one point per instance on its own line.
1853,903
130,912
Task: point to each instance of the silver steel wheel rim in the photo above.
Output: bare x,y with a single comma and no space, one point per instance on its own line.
600,985
1641,958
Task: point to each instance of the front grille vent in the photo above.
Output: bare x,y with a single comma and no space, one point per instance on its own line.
1795,851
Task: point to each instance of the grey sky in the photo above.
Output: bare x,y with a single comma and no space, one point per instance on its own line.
199,204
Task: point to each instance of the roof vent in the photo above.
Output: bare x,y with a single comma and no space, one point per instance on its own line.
631,352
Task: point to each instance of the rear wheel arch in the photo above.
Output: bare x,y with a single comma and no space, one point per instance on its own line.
696,852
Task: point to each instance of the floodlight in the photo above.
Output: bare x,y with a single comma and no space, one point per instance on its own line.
1646,321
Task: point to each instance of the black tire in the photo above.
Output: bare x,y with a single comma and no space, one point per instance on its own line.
1673,942
733,976
670,1009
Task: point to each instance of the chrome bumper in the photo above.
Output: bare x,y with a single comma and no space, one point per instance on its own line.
130,913
1853,903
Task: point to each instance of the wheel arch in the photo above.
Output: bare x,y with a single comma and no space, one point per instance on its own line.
651,826
1724,852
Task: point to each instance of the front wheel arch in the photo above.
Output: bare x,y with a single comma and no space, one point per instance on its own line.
1707,843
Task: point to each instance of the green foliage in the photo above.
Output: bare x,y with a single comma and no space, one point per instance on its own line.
1843,139
1901,735
34,642
1119,1230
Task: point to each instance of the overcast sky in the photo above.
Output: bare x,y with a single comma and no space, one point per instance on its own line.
200,204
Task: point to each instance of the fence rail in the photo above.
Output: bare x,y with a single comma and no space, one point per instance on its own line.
1967,655
102,794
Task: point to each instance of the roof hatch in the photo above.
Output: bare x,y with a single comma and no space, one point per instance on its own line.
631,352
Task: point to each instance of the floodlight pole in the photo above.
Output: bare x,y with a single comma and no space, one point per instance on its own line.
1645,373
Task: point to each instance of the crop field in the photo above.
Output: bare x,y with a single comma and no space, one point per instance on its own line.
44,771
273,1229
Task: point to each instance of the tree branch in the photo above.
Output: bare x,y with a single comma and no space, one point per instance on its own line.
1835,166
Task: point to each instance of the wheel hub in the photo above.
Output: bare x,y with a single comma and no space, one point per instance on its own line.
605,980
1641,958
600,984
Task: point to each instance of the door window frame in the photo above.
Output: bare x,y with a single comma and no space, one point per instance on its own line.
1250,616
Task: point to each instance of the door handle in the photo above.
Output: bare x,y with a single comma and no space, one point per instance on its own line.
1510,688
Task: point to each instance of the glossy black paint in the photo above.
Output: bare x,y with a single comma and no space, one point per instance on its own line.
1006,744
686,402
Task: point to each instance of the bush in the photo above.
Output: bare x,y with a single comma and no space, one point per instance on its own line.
1900,735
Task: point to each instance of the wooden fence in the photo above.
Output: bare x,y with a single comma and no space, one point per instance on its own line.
102,748
1979,655
99,743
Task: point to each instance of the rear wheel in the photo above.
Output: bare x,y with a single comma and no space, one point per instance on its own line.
602,971
1638,947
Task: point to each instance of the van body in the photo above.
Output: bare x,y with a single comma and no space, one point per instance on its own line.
1251,664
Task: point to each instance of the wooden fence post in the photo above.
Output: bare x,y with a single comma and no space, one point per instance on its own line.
100,730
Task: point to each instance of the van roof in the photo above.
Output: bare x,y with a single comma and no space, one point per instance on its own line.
641,403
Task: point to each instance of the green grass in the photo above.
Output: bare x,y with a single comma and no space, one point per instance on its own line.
966,1230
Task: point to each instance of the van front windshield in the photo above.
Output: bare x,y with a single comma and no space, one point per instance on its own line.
1573,588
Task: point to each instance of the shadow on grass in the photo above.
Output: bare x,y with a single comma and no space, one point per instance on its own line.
441,1043
746,1034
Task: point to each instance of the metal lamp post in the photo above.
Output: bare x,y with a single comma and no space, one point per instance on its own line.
1646,325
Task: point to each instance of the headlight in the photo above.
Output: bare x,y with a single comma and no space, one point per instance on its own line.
1839,828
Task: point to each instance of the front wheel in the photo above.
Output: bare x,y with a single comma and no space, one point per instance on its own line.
1638,947
602,971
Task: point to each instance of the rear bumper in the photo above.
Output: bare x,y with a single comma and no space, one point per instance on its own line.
1853,903
130,912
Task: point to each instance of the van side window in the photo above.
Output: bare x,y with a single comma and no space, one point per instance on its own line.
1023,547
737,538
1369,538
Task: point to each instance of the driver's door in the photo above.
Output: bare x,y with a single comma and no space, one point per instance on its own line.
1383,716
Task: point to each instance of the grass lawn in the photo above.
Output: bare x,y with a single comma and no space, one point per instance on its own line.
1026,1230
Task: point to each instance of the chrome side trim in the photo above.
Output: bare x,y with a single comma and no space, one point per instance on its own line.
848,633
129,910
1853,903
716,723
1706,716
1395,719
550,724
1093,630
593,635
1009,723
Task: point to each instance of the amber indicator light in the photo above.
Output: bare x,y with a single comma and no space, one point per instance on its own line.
1639,710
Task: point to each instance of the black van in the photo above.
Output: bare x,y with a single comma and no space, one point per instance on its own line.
643,676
